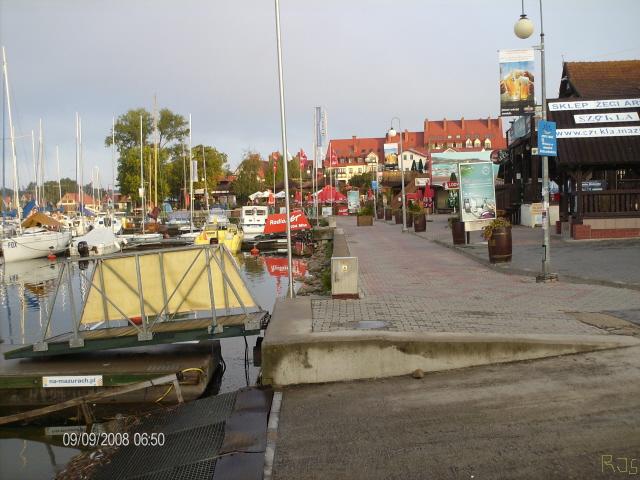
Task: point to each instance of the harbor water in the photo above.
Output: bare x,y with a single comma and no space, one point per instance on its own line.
26,298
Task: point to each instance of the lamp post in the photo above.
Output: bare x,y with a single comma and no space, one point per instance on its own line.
392,133
523,29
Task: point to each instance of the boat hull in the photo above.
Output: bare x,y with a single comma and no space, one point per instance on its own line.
38,245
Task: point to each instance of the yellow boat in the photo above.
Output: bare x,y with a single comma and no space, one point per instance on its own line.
231,237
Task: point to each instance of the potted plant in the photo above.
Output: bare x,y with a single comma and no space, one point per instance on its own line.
365,215
457,230
418,217
498,235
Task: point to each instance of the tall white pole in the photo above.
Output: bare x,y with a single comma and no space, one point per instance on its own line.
41,164
35,168
16,186
190,178
142,174
204,166
284,149
81,170
58,169
113,162
78,161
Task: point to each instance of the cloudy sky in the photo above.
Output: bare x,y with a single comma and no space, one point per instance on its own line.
365,61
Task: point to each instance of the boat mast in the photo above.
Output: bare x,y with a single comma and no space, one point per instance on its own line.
3,155
41,163
81,167
142,175
78,161
58,166
35,168
16,186
155,149
184,178
113,163
190,179
206,192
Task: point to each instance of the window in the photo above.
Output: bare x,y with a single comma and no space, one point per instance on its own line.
487,143
469,144
404,156
459,145
476,143
359,169
457,136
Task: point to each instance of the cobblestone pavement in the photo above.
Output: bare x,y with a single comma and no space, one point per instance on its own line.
415,285
613,261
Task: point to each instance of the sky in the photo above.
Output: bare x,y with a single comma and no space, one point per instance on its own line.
364,61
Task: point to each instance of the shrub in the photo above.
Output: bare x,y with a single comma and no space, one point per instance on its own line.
496,223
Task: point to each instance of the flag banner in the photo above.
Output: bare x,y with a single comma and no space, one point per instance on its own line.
517,82
391,154
194,170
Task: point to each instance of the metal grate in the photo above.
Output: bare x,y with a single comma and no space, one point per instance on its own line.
194,434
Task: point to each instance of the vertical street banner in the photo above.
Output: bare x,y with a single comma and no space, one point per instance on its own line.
390,154
477,191
517,82
321,127
194,170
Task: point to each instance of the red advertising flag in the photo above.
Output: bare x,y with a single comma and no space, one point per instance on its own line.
303,159
277,222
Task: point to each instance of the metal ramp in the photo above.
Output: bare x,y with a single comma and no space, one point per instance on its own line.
152,297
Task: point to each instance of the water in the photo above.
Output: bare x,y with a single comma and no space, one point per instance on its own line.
26,295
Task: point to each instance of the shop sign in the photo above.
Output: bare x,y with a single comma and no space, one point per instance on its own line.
607,117
547,144
72,381
597,132
451,185
594,104
594,185
422,182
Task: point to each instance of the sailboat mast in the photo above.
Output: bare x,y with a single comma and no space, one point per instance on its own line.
58,168
184,177
35,169
142,174
3,154
155,149
41,163
190,179
113,162
206,191
16,186
81,158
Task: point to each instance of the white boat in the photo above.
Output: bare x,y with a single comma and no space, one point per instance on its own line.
252,220
34,242
218,216
100,241
141,239
110,223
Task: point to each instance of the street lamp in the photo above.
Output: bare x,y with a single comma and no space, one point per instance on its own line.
523,29
392,133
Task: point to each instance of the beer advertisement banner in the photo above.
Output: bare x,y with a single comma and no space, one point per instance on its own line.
517,82
477,191
391,154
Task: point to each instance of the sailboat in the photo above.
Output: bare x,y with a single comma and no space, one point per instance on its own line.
39,235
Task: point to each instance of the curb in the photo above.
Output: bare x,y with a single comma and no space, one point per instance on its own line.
527,273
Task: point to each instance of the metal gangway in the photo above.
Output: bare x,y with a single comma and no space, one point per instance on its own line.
151,297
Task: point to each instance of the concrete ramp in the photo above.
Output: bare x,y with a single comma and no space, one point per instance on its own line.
292,353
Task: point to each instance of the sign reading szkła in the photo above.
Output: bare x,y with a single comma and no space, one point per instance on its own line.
594,104
477,192
597,132
607,117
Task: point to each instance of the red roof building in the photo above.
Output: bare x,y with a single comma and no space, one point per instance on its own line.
436,136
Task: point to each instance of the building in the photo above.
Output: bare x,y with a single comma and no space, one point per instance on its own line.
69,201
357,155
597,169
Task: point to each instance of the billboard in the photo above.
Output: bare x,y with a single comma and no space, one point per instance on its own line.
353,200
391,154
477,191
441,172
517,82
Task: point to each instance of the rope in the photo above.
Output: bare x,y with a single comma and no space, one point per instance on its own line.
191,369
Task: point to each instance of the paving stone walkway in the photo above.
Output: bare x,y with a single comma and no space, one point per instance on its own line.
410,284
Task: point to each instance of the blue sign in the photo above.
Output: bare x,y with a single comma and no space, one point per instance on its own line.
374,184
547,142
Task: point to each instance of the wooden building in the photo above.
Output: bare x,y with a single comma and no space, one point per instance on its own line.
597,169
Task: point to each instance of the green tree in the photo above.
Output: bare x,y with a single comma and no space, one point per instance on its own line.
293,169
172,132
362,180
248,180
420,166
215,162
413,166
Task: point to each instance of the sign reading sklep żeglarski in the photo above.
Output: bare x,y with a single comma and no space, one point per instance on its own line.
595,104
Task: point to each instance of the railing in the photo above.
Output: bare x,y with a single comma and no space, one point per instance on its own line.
610,203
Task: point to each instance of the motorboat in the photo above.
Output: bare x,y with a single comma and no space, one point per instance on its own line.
252,221
230,237
99,241
218,216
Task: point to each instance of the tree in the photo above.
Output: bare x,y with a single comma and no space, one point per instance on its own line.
413,166
420,166
248,180
172,132
293,169
362,180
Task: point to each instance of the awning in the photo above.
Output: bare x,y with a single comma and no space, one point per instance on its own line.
38,219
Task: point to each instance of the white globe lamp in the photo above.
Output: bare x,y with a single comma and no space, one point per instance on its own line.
523,27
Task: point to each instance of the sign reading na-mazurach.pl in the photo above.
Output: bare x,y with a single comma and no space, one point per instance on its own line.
547,143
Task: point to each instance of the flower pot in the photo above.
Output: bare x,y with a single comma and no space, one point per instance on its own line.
387,214
459,236
409,219
419,222
365,220
398,217
500,245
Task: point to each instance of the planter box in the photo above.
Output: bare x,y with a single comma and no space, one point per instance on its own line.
409,220
500,245
365,220
419,222
398,217
459,235
380,214
387,214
